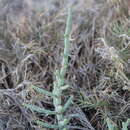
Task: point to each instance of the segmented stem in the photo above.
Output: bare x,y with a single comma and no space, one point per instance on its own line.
60,75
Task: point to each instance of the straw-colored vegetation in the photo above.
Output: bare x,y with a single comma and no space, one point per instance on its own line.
40,72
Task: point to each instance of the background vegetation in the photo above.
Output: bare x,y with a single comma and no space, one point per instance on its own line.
98,73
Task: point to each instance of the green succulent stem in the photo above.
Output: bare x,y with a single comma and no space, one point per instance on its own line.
66,43
60,75
47,125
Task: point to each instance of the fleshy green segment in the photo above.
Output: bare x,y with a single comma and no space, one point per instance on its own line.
42,91
38,109
66,43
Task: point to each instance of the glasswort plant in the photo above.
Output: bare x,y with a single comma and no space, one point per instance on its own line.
59,86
